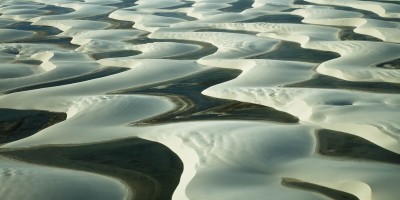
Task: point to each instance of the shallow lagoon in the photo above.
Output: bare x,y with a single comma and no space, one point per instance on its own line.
176,99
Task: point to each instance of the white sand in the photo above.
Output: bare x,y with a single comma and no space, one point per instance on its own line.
335,109
229,45
230,159
26,181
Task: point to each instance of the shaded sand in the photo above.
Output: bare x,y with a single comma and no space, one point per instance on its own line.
18,124
55,65
263,82
329,192
328,82
192,105
292,51
10,35
347,33
175,15
24,181
150,169
114,24
346,146
356,57
394,64
277,18
304,66
364,22
40,30
230,45
107,71
238,6
15,70
56,10
115,54
204,50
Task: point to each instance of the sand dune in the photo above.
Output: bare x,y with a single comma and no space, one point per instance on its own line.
243,45
39,182
383,9
356,56
8,35
186,74
379,28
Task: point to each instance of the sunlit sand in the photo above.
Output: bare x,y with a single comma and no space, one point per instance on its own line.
202,99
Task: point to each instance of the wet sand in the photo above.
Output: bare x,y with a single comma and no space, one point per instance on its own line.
150,169
331,193
18,124
345,146
192,105
236,91
323,81
106,71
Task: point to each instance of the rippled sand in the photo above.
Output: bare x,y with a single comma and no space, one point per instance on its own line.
201,99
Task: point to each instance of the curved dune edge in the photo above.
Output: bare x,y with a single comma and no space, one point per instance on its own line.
334,194
357,57
175,145
18,124
309,104
381,8
57,183
130,160
9,35
168,40
384,30
346,190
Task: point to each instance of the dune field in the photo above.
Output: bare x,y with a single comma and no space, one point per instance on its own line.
199,99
